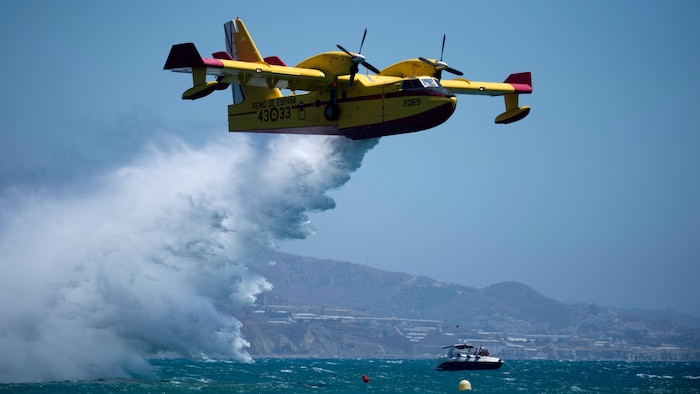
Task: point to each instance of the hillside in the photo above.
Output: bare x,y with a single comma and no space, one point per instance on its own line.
324,308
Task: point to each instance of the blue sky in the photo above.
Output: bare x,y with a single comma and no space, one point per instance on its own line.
594,197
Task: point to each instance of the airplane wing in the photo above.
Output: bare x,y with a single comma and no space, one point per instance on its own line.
514,85
520,83
273,74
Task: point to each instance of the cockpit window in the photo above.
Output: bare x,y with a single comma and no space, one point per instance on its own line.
411,84
428,82
420,83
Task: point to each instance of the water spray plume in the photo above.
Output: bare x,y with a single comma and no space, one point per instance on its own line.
153,260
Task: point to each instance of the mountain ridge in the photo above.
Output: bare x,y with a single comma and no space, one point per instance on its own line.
321,290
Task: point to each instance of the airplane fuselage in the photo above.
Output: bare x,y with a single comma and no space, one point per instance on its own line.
373,106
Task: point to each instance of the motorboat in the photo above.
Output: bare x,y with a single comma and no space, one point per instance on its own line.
463,356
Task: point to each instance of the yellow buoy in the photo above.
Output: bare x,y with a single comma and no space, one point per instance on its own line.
464,385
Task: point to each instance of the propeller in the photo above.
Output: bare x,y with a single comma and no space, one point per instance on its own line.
440,65
357,59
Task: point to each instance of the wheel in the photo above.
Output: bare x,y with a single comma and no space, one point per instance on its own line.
331,112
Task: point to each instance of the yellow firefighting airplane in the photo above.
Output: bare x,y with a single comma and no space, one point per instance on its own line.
336,100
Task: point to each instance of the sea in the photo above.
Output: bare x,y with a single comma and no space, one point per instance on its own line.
387,376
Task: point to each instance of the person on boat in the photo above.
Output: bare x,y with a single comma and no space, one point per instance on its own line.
483,351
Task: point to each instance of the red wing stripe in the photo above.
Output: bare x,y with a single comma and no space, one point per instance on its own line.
521,82
209,62
521,88
186,56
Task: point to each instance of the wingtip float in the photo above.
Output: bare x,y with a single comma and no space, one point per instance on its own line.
328,95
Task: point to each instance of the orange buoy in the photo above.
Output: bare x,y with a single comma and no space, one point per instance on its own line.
365,379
